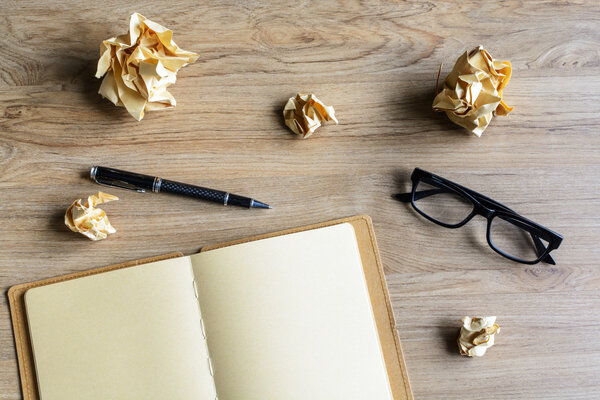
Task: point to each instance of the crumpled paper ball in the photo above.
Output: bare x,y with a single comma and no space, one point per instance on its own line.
88,220
472,93
304,113
140,65
477,335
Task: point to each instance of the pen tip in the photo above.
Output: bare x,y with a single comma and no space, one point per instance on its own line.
258,204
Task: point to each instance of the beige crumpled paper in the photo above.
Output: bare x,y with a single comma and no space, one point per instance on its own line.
304,113
140,65
472,93
89,221
477,335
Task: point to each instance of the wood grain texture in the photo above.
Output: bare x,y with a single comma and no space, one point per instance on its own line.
376,63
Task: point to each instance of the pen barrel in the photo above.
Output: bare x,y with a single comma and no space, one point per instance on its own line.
197,192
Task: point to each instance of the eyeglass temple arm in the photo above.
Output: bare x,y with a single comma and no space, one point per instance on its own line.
539,246
406,197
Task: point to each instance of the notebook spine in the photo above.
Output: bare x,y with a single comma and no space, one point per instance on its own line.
201,322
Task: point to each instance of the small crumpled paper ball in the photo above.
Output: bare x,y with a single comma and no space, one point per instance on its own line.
304,113
472,92
477,335
139,66
88,220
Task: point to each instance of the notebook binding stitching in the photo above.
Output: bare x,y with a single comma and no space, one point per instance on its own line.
201,321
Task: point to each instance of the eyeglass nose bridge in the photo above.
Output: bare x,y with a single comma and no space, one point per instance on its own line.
484,211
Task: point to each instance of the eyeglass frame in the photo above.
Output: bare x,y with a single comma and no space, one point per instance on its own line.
489,209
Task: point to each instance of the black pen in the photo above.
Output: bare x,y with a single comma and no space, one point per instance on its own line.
143,183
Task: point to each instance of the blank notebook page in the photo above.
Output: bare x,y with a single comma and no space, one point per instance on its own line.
290,318
132,333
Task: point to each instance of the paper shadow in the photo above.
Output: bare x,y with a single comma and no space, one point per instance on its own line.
278,115
414,103
448,333
90,85
56,224
74,66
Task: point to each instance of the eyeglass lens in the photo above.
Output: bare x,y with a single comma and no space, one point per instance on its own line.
441,203
509,236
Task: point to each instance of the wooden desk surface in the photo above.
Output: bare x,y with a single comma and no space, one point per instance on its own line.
376,63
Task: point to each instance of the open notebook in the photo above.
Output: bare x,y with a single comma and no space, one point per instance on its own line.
286,317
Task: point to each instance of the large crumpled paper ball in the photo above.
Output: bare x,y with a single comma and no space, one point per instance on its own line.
472,92
139,66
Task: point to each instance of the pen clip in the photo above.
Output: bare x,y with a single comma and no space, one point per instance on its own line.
114,182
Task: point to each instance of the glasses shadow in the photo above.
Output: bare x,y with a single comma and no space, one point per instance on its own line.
401,180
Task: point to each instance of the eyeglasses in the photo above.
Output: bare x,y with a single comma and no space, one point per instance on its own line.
451,205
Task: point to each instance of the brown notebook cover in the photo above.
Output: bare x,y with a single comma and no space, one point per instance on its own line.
374,274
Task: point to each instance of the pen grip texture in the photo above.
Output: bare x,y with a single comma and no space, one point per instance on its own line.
192,191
